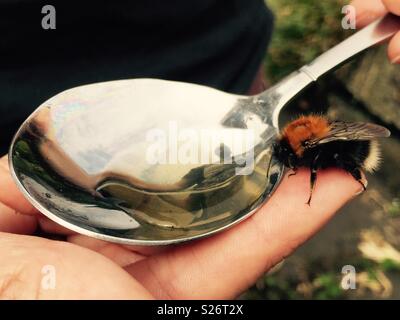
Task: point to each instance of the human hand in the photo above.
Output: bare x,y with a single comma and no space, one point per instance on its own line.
218,267
369,10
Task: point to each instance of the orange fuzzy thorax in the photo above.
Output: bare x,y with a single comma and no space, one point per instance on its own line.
303,129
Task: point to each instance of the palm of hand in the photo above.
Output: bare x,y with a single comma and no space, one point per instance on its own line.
218,267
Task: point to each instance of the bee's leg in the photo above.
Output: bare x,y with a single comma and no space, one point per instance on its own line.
313,176
293,173
356,173
313,179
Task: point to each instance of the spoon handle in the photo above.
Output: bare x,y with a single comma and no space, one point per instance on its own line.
376,32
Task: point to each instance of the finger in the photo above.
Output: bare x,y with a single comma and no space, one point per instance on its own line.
124,255
147,250
9,193
367,11
223,266
14,222
394,49
394,45
392,6
52,227
4,163
117,253
37,268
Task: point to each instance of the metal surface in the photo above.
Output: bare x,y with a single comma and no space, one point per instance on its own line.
152,162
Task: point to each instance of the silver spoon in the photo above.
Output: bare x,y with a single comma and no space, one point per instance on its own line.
152,162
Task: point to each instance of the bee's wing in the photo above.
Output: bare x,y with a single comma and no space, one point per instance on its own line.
340,130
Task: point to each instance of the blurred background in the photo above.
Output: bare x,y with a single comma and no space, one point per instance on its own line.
366,231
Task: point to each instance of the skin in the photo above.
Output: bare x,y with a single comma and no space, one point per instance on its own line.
219,267
369,10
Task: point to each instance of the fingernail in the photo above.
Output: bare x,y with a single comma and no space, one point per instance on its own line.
359,192
395,60
365,182
276,267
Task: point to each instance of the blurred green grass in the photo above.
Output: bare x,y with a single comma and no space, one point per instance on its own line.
303,30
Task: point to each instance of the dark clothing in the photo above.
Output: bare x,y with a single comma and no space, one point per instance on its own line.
212,42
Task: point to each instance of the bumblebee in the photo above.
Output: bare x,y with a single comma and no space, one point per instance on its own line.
316,142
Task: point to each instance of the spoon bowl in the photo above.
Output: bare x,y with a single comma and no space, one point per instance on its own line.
88,161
